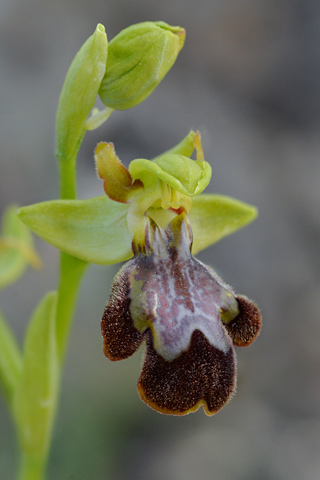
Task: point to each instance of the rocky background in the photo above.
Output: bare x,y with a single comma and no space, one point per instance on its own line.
248,79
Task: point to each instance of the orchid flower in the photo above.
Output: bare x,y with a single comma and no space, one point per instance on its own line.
155,212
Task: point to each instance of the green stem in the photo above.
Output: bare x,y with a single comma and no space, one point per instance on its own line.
71,272
67,176
31,469
71,268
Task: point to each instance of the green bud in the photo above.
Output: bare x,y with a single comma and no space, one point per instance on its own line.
139,57
79,93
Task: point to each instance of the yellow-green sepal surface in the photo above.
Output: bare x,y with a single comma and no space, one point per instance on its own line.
214,217
93,230
96,230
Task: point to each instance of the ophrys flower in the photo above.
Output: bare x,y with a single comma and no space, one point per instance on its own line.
189,318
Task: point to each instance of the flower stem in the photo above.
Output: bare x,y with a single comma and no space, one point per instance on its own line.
71,272
71,268
67,177
31,469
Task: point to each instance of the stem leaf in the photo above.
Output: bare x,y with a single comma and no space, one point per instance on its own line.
16,248
36,395
10,361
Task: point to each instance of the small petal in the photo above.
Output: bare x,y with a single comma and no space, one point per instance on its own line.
203,375
117,181
121,338
246,326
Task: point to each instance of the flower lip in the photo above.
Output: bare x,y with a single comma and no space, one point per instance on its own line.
174,294
189,318
202,376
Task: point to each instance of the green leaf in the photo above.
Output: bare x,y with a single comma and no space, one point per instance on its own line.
10,361
94,230
16,248
213,217
79,93
36,395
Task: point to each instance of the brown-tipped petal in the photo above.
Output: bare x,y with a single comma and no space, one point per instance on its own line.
121,338
117,181
203,375
245,327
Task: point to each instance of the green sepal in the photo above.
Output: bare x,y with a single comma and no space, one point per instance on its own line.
94,230
35,399
139,58
185,147
213,217
10,361
79,93
187,176
16,248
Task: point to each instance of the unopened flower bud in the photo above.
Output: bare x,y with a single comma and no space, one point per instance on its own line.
138,59
79,93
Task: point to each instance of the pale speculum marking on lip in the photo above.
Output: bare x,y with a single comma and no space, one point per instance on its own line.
179,295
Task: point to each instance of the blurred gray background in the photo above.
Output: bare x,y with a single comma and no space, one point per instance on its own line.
248,79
